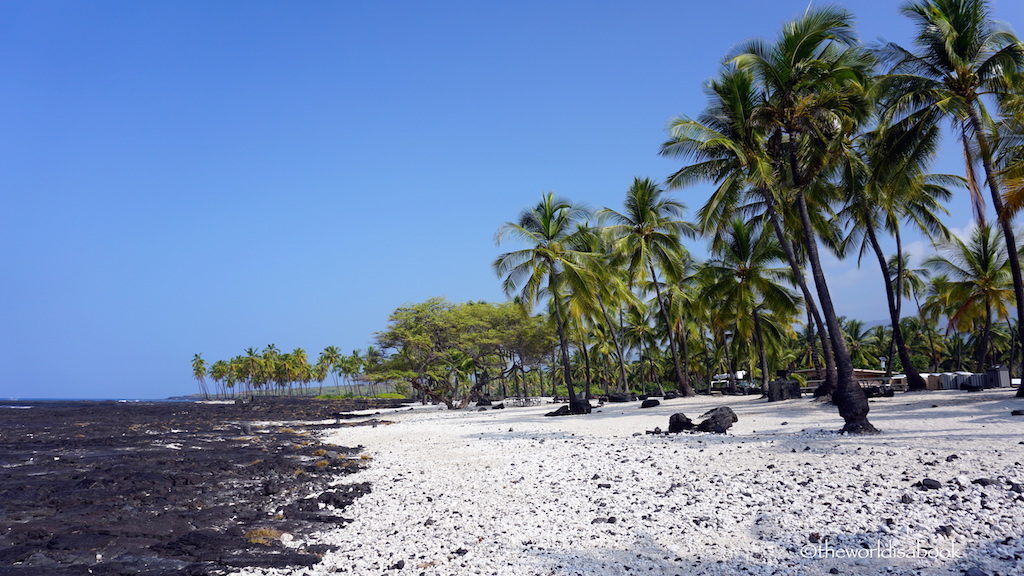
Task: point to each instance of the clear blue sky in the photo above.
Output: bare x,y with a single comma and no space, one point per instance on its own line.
184,177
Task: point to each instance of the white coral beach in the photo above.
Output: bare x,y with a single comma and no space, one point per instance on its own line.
512,492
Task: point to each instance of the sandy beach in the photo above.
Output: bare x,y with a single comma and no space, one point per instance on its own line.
513,492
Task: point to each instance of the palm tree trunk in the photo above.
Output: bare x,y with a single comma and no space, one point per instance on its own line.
615,341
759,340
586,366
986,338
1005,224
849,396
685,351
914,380
684,384
562,342
831,376
934,367
813,332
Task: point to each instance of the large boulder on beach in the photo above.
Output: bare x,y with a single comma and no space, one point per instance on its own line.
718,420
621,397
577,406
580,406
650,403
783,390
679,423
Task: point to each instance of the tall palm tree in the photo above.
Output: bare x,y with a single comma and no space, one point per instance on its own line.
911,283
976,278
962,56
331,358
814,80
199,372
885,184
550,264
730,150
648,233
744,278
610,294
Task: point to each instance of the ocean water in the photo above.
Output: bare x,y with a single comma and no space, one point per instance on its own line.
25,403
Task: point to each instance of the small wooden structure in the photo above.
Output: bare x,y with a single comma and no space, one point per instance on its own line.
863,376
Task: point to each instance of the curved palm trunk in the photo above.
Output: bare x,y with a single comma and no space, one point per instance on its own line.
684,384
615,341
814,331
849,396
831,376
759,340
1005,225
563,344
914,380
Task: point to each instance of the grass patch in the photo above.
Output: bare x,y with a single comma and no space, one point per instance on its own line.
264,536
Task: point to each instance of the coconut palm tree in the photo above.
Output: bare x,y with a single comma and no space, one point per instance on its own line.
885,184
911,283
331,359
814,80
730,150
610,292
199,372
962,56
648,233
550,265
976,282
744,278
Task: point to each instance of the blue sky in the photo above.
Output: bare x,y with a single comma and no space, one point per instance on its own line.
184,177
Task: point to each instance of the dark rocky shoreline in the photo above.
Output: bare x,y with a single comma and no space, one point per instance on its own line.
169,488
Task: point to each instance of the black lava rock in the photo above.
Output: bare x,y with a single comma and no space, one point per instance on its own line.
678,422
718,420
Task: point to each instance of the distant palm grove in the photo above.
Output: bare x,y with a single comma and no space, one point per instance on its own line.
812,142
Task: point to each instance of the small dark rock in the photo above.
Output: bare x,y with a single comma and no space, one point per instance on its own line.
604,485
612,520
650,403
984,481
598,520
975,571
462,551
929,484
907,499
561,411
951,457
500,406
1017,413
397,565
